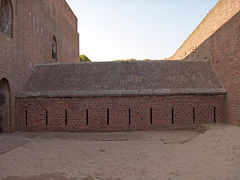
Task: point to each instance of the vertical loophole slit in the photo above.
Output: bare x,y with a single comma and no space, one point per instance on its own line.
46,118
151,120
129,116
26,117
214,114
87,117
194,121
172,115
66,117
107,116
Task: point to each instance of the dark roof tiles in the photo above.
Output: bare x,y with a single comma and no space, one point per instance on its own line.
123,78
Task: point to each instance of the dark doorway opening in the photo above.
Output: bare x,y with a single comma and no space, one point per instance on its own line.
4,105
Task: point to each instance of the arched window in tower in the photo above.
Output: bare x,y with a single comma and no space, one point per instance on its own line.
6,17
54,48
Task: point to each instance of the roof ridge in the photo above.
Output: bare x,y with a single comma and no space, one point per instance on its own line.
116,62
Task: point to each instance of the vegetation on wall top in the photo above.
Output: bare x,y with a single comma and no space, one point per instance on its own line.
84,58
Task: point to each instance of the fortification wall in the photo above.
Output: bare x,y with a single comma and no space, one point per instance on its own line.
221,45
223,11
34,25
223,51
118,113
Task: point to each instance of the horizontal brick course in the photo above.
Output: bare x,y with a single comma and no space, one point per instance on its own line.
118,112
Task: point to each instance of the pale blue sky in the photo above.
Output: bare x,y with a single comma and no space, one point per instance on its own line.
140,29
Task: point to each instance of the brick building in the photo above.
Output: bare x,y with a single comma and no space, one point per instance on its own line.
31,32
217,38
114,96
120,96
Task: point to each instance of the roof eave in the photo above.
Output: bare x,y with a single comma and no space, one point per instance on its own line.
121,93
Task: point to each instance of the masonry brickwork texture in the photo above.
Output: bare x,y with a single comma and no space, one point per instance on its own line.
35,22
217,38
222,12
112,113
118,96
121,96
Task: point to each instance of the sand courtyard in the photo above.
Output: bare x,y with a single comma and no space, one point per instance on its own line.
207,153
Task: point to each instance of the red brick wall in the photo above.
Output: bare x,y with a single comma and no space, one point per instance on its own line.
34,24
223,51
118,112
37,22
222,48
223,11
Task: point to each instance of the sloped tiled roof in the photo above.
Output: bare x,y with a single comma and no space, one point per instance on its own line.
123,79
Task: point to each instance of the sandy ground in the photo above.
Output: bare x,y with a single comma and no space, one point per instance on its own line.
213,154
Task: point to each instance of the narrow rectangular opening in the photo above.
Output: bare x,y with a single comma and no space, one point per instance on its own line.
151,120
46,118
87,117
214,115
26,116
129,116
172,115
107,116
194,115
66,117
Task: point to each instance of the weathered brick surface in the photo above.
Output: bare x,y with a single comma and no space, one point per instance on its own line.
223,11
35,22
223,51
118,112
222,48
